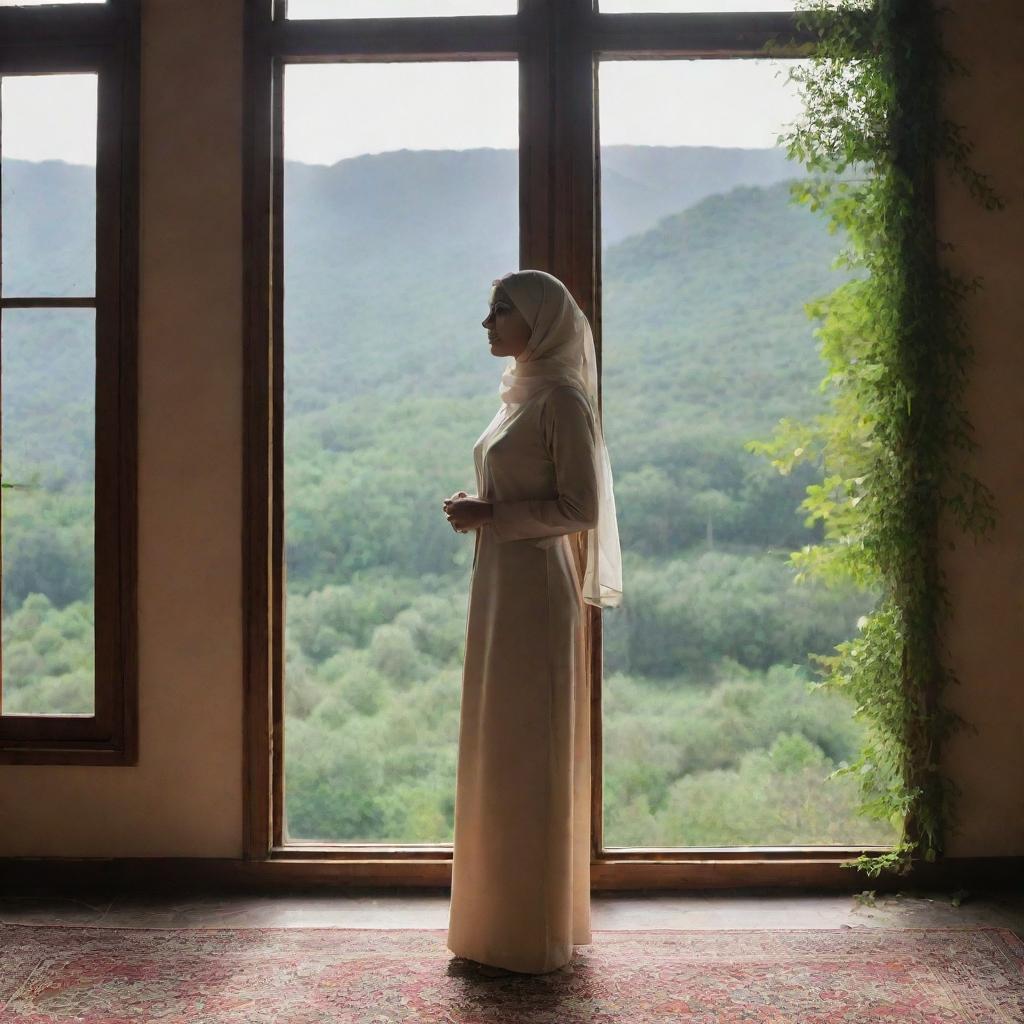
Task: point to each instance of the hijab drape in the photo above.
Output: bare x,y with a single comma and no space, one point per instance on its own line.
561,351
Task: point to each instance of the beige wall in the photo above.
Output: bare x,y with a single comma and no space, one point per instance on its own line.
986,582
184,797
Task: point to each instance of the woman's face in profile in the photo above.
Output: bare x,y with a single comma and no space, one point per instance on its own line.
507,330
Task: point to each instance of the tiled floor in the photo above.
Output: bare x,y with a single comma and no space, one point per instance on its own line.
401,909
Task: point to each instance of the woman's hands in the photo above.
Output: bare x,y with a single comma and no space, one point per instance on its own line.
466,513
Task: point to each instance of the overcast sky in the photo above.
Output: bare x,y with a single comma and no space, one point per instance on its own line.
408,8
337,111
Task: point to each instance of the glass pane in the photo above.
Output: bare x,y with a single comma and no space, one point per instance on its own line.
47,424
692,6
48,145
396,8
711,734
396,221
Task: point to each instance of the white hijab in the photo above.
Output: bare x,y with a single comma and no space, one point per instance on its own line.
561,351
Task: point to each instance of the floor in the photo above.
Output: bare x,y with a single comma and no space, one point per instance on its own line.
400,909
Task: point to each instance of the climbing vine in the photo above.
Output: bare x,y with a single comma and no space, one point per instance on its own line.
894,444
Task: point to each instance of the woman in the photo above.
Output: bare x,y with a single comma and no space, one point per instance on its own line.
520,896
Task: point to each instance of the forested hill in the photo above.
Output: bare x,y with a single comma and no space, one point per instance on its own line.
457,192
388,213
703,314
389,260
430,230
48,227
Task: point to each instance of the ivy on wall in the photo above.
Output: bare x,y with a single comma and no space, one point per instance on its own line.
894,446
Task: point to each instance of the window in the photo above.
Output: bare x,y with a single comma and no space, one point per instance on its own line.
711,736
692,6
68,295
395,8
379,367
558,48
36,3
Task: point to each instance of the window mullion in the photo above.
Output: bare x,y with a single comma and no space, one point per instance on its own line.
556,137
536,100
558,217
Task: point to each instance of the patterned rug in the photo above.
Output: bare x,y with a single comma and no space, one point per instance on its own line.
95,975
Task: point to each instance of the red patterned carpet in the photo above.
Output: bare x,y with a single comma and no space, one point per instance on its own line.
91,975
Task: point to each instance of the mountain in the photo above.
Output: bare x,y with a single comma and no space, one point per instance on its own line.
49,228
642,184
388,264
703,314
431,229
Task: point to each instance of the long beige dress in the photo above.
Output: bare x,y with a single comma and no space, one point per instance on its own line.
520,894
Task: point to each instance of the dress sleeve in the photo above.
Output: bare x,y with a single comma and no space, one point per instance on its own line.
570,436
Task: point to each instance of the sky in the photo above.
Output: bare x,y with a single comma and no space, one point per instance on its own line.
409,8
337,111
427,8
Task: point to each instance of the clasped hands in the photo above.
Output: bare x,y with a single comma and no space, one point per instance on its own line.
467,513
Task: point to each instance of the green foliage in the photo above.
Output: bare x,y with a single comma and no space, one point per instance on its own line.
372,692
49,663
686,613
741,760
48,544
892,446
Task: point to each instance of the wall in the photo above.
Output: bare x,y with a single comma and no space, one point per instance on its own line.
184,797
985,634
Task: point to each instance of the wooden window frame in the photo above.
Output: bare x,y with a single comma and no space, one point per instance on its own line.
102,39
558,44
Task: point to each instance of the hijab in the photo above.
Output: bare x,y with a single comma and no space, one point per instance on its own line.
561,351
